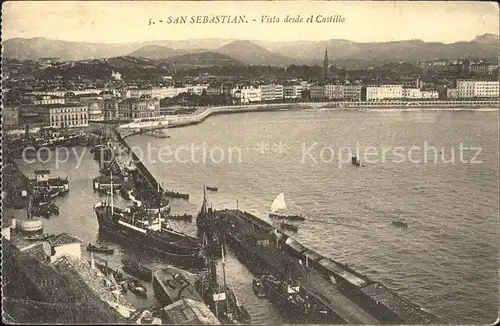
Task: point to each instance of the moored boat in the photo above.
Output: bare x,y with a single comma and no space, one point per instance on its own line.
258,289
100,249
212,188
172,284
184,217
291,299
136,287
150,232
137,269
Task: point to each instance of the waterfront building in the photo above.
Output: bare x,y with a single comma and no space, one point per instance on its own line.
110,110
214,90
65,245
197,89
246,94
292,91
352,92
95,109
430,95
67,115
334,92
48,99
138,93
477,89
135,108
226,88
451,93
412,93
32,116
271,92
305,85
382,92
163,92
317,92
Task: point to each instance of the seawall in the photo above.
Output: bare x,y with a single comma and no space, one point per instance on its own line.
201,115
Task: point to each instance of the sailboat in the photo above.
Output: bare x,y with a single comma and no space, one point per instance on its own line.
279,205
220,298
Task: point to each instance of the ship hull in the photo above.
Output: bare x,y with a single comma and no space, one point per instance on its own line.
298,312
166,294
184,260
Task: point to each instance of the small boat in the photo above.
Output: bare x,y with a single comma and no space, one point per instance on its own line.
124,193
258,289
174,194
212,188
184,217
289,226
287,217
400,224
53,209
101,249
39,237
279,204
355,161
53,193
136,269
135,286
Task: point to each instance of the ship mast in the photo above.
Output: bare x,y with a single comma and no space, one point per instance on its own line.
112,204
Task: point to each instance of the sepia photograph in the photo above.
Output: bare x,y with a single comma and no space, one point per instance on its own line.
250,162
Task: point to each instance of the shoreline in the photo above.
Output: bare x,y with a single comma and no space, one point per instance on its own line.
386,106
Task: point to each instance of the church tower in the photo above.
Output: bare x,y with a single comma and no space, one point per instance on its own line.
326,66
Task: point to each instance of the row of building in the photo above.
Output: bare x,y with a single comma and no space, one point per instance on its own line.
67,109
69,114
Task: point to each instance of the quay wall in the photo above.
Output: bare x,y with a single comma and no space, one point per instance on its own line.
138,163
198,117
378,300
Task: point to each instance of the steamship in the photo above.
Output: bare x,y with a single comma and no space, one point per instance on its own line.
150,232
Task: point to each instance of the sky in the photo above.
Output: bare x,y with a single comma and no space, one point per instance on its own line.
128,21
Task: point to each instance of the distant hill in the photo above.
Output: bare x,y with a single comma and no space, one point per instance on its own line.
484,46
35,48
203,59
259,52
254,54
156,52
486,38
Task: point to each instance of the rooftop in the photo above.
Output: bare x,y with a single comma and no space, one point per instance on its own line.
63,239
59,105
189,312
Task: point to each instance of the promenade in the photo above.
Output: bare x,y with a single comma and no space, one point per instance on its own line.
203,113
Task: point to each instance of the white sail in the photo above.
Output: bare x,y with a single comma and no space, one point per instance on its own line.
279,203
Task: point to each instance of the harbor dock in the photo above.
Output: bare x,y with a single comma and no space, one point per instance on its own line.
344,293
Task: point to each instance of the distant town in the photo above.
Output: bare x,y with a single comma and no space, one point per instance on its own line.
53,93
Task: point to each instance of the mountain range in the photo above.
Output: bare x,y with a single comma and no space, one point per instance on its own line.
228,51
